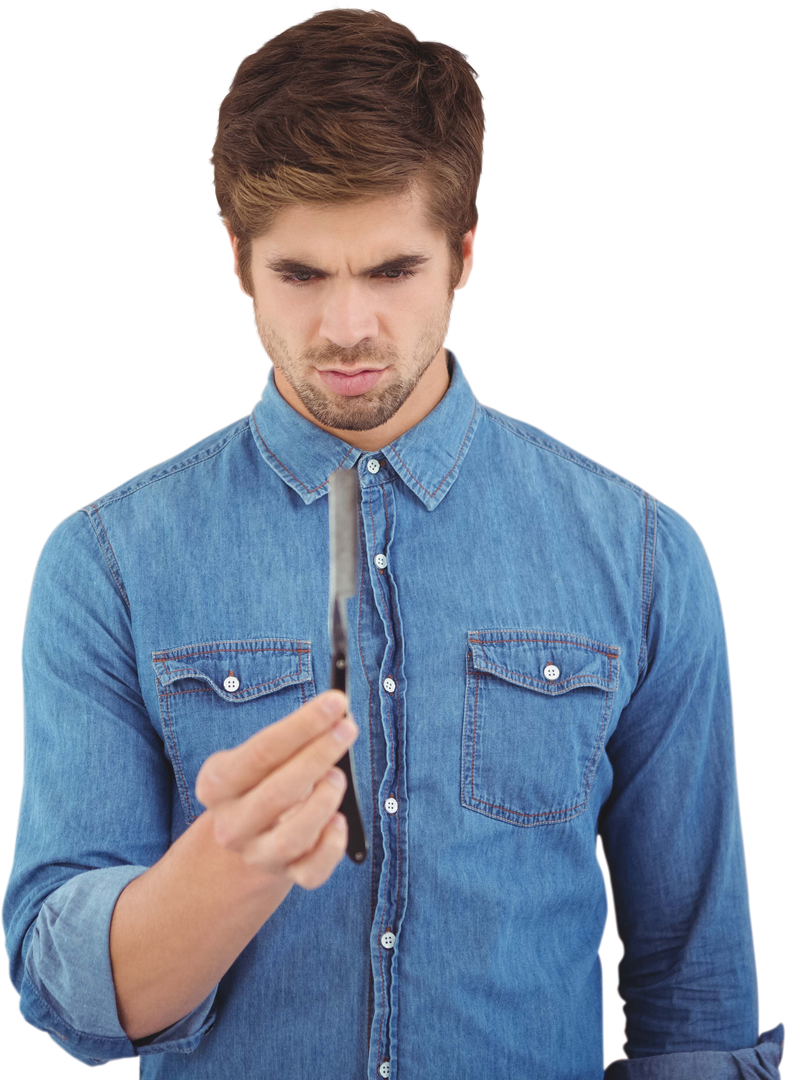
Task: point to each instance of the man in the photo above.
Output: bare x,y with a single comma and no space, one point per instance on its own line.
538,658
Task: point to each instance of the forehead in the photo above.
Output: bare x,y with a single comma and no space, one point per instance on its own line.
369,222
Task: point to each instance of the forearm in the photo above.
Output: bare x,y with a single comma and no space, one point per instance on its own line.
177,928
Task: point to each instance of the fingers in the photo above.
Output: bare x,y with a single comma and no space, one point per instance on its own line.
229,773
239,821
315,868
306,848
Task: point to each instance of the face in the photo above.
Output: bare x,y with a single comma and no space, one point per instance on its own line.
334,289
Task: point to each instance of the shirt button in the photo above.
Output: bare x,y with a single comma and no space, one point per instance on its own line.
381,561
384,1069
231,682
372,465
388,940
391,805
551,671
389,685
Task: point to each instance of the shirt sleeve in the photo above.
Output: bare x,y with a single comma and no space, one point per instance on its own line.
96,802
672,838
759,1062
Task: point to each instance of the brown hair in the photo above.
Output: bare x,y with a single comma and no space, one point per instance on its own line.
346,107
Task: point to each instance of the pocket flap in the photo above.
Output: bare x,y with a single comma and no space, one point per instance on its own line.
520,656
260,665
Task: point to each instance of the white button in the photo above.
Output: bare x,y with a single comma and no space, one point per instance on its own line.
231,682
388,939
372,465
391,805
381,561
384,1069
389,685
551,671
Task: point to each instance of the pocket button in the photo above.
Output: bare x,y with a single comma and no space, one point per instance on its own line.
551,671
231,682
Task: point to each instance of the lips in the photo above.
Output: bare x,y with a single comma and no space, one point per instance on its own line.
352,383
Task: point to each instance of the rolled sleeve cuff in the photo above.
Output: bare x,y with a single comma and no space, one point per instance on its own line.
759,1062
68,989
181,1037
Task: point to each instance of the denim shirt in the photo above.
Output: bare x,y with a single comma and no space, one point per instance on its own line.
536,657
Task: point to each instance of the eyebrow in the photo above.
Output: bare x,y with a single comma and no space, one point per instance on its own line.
405,261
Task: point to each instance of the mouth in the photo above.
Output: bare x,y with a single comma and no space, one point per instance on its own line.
354,371
351,383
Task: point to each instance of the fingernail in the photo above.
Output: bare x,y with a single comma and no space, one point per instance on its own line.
334,703
344,731
336,778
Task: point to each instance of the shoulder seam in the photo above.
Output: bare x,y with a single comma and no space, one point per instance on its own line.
648,566
107,550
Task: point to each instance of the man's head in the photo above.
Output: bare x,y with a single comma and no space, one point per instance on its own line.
343,144
331,291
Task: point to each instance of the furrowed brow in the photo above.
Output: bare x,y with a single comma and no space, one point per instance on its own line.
406,261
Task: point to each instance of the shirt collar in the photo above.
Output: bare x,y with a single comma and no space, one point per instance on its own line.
427,457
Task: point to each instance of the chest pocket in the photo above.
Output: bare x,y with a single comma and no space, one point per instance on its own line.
215,695
536,709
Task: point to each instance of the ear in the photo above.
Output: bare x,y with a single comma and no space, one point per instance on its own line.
233,241
468,245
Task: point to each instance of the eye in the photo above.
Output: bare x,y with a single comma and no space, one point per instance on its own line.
292,279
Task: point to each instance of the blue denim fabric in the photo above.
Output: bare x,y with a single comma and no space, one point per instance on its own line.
484,777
